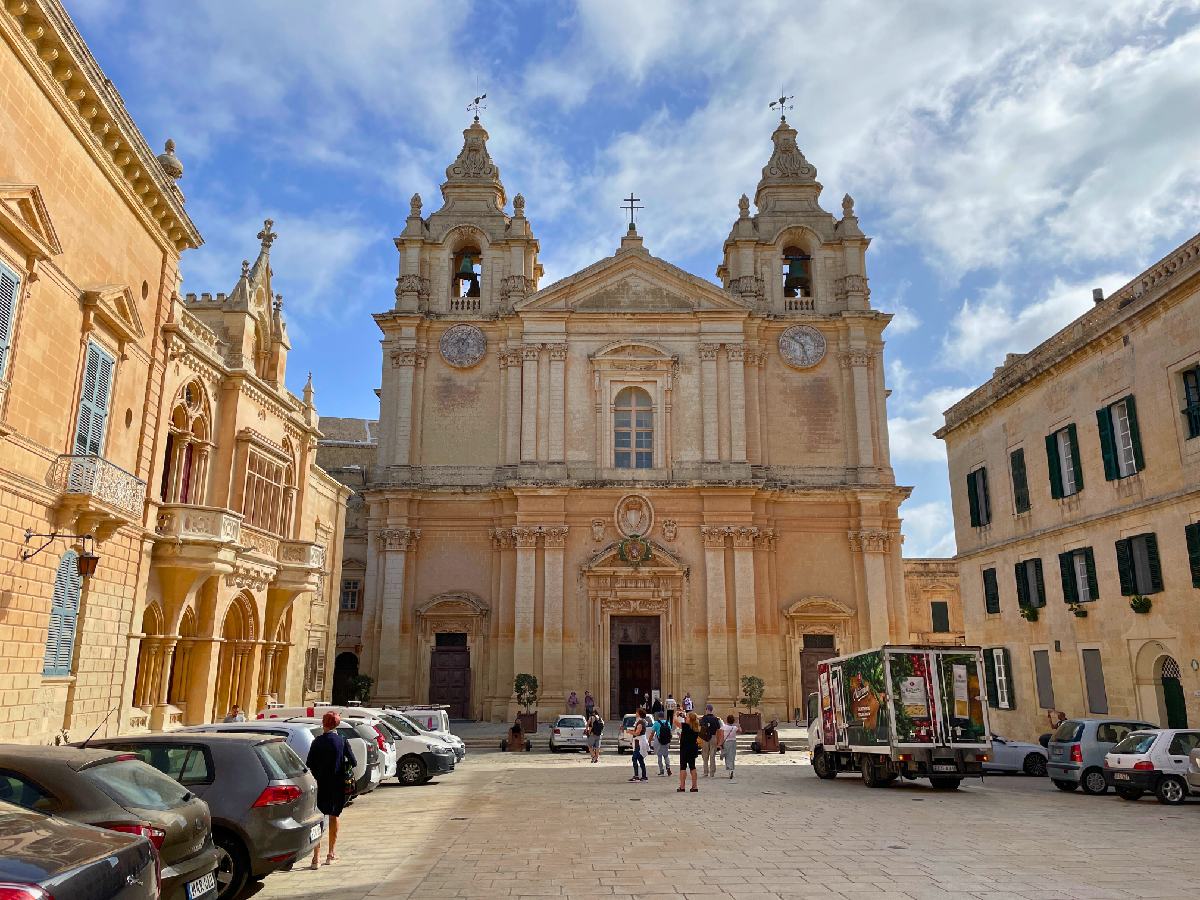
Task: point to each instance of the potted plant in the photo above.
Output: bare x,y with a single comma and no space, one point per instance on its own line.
753,689
525,686
1079,611
1140,603
360,688
1029,613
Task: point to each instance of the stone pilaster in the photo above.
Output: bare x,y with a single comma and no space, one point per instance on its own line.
716,608
394,665
744,538
405,361
558,411
554,538
529,402
874,546
859,363
709,408
511,359
737,402
525,540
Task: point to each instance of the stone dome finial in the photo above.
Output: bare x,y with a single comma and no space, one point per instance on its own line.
414,205
170,163
267,236
519,204
743,207
847,206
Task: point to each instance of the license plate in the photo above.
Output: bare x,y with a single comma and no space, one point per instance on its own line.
1120,776
202,887
941,767
314,833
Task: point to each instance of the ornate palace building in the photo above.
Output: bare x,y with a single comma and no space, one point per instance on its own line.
632,479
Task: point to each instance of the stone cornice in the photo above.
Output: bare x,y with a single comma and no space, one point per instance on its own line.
1152,285
44,38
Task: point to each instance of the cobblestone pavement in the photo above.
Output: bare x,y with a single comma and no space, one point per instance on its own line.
540,824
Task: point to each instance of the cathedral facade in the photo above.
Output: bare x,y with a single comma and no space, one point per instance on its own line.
632,479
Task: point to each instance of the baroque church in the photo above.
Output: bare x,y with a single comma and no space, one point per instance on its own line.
630,480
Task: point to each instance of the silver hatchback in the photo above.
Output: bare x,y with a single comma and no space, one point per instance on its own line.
1077,749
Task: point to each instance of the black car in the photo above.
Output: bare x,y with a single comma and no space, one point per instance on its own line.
44,856
119,792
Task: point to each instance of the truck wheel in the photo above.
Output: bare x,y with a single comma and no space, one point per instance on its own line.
945,784
1093,781
870,775
822,765
411,771
1035,765
1065,786
1171,790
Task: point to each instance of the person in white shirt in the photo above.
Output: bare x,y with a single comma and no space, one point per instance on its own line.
728,748
672,705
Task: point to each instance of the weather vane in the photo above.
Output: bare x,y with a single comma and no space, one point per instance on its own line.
630,205
476,105
783,103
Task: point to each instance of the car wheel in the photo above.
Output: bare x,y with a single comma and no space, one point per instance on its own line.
822,765
1093,782
941,783
411,771
1130,793
233,865
1065,786
1035,765
1171,790
553,749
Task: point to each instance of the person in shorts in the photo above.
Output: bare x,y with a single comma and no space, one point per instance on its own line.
689,749
595,731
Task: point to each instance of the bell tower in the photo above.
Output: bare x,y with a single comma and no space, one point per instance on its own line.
469,258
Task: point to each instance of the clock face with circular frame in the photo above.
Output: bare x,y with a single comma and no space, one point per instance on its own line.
802,346
463,346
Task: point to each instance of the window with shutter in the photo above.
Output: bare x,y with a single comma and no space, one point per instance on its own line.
1022,585
991,591
1045,678
1062,456
978,498
94,398
1093,678
1191,402
10,284
64,613
1001,662
939,611
1077,569
1125,568
972,500
1020,481
1120,444
1054,466
1192,534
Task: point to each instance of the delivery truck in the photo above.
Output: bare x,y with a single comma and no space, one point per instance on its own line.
901,712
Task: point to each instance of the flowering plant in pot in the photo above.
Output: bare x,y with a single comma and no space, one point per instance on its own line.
1029,613
525,686
753,689
1140,603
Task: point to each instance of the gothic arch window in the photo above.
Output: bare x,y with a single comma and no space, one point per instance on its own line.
633,429
188,447
797,273
64,613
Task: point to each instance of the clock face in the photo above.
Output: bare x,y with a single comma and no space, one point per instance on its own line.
802,346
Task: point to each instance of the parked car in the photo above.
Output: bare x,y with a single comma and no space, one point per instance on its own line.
1152,762
568,733
362,740
408,726
625,735
44,856
385,741
1193,775
262,800
317,710
298,735
1078,747
119,792
1016,756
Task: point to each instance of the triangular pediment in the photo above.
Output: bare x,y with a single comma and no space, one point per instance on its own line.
23,215
114,306
632,281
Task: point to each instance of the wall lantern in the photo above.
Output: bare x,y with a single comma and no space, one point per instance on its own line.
85,563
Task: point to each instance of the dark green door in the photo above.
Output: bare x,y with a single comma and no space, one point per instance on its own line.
1173,700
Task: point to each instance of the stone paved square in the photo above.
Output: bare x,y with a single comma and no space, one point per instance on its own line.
539,824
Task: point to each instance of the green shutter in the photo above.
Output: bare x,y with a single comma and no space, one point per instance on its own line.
1156,581
1022,585
1020,481
1125,568
972,500
1066,571
1054,464
1108,443
1192,533
10,285
1008,676
1135,436
989,670
991,591
1089,563
1041,584
985,497
1076,459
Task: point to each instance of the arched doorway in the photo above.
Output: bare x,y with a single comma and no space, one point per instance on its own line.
234,662
345,670
1170,686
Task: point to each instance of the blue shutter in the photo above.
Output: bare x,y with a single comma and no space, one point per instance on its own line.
93,401
64,612
10,285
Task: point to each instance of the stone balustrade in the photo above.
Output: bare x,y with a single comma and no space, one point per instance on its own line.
302,553
181,521
261,542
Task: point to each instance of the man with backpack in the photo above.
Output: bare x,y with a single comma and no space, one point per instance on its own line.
595,727
662,743
710,725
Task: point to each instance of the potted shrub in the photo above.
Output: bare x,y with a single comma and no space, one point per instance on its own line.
1079,611
525,686
753,689
1029,613
1140,603
360,688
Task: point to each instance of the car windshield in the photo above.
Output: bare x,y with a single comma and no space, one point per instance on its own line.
130,782
1068,731
402,725
1138,742
570,722
280,760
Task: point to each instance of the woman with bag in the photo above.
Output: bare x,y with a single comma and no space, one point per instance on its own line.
332,763
727,745
689,749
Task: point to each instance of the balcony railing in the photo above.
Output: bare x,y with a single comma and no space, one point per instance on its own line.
1191,415
260,541
97,478
183,522
799,304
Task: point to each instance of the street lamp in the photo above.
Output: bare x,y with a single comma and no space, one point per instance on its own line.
85,562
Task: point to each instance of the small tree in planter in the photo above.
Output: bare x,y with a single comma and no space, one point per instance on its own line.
525,686
1029,613
1079,611
753,689
1140,603
360,688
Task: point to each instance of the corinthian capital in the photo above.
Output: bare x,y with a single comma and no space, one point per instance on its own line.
554,536
744,535
869,541
714,535
399,538
708,351
524,537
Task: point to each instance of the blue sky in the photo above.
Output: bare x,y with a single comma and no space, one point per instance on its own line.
1005,158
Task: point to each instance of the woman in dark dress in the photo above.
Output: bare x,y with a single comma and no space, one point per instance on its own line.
326,758
689,749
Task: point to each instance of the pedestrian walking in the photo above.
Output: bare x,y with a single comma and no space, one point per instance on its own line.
710,726
687,702
689,749
662,743
729,732
572,702
656,707
589,704
595,732
671,705
641,746
331,761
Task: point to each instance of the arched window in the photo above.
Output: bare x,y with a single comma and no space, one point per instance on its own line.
633,430
187,448
64,611
468,269
797,273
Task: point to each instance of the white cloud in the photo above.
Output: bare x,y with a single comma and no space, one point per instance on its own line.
928,529
919,415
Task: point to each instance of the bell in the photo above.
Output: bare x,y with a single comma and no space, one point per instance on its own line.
467,266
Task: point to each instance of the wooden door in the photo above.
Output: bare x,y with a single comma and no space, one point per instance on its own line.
450,679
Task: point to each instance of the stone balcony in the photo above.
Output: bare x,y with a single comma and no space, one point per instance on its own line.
301,565
95,496
197,537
